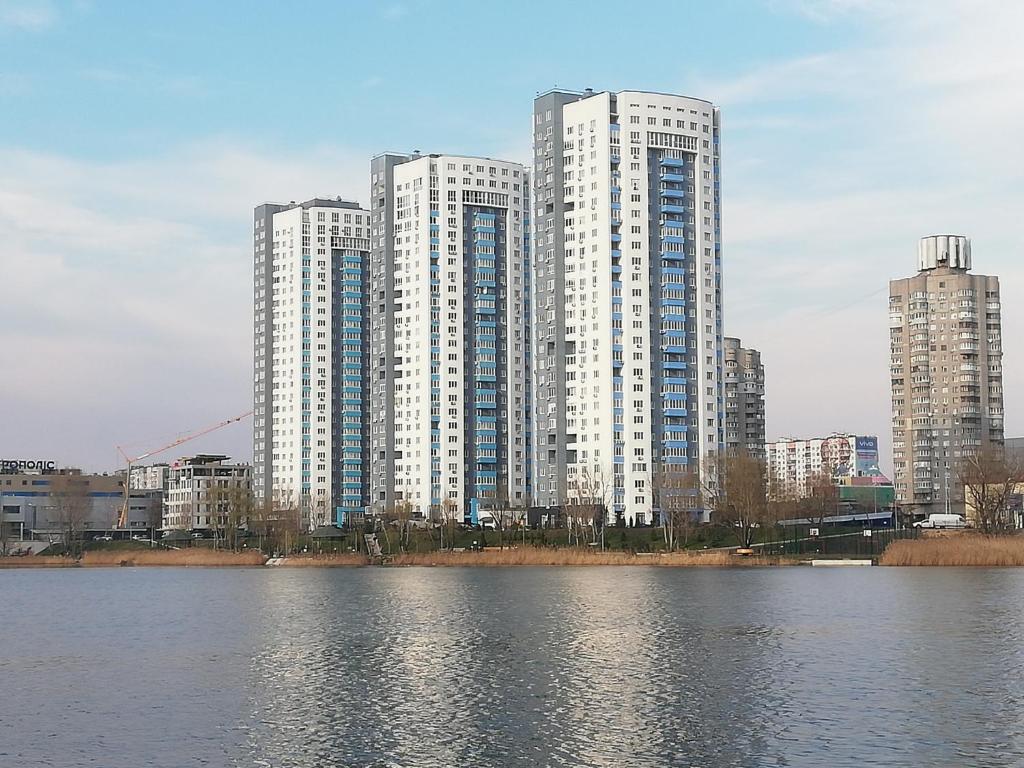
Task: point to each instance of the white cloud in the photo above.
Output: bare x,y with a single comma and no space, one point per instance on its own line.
913,131
27,14
127,292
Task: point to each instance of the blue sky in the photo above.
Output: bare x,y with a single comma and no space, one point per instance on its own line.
136,137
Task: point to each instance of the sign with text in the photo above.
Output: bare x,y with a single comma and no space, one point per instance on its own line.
13,466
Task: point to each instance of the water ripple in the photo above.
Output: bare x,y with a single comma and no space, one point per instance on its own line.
512,667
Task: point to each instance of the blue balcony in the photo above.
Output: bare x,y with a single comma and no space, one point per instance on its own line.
672,162
672,209
674,349
487,459
673,256
676,178
672,193
674,366
673,239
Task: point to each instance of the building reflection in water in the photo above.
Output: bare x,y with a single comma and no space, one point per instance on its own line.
559,666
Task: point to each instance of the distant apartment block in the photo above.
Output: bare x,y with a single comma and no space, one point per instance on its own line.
744,399
310,440
794,464
200,491
449,390
947,375
627,294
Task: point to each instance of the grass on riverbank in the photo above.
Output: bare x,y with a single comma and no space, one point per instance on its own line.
963,549
537,556
168,557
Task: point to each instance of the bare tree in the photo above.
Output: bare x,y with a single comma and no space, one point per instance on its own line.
822,501
70,495
676,494
499,510
586,507
4,531
399,516
239,507
278,522
319,512
519,516
734,488
449,522
990,478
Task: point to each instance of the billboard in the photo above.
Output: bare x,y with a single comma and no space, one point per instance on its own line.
867,444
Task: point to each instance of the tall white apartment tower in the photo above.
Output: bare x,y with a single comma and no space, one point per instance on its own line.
450,352
627,302
311,343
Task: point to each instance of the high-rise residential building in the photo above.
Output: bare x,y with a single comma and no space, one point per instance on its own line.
744,399
382,321
627,299
794,465
947,374
449,327
311,343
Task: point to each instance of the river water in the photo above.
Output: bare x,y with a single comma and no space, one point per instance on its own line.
511,667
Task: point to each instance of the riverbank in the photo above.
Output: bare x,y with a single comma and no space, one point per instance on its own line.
963,549
537,556
129,558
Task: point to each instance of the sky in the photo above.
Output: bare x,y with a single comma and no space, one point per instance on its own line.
135,139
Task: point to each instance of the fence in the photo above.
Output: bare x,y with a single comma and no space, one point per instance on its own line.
838,541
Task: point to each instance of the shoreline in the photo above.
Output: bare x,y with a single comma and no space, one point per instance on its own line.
974,550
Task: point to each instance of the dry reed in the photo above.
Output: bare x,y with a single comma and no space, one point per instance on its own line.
538,556
191,556
964,549
169,557
329,560
37,561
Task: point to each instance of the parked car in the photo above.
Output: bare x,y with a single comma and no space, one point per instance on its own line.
942,521
104,538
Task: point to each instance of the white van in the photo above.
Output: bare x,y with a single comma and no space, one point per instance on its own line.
942,521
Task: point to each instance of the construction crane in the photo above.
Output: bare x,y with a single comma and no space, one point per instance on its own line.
122,520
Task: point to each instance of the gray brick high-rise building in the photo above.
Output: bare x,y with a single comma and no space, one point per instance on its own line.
744,399
946,366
